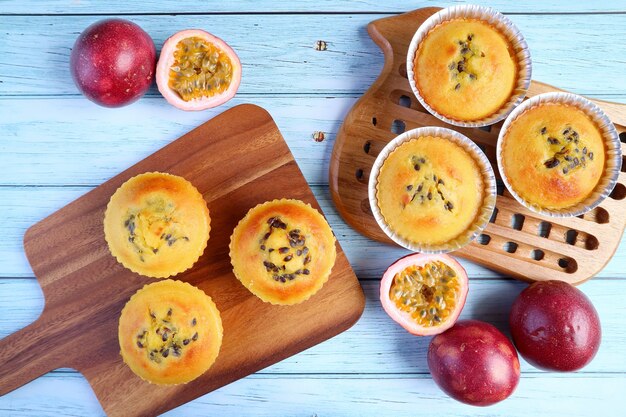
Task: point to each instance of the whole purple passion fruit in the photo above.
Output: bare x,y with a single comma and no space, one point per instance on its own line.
473,362
555,326
113,62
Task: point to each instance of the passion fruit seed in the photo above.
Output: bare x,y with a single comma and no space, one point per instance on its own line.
427,187
158,226
427,293
163,337
285,268
200,69
459,66
568,150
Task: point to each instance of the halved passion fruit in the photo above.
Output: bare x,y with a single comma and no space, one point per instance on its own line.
197,70
424,293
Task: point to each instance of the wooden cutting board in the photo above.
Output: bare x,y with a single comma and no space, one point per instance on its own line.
517,241
236,160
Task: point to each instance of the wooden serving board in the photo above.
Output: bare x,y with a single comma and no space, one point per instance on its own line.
236,160
517,241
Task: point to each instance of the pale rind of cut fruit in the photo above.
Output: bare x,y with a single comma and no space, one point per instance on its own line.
206,79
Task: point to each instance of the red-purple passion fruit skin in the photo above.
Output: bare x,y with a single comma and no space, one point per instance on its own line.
555,326
113,62
473,362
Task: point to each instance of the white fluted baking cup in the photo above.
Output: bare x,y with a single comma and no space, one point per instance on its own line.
612,147
489,191
505,26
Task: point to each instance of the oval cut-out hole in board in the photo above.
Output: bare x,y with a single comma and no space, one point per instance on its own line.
483,239
591,243
600,215
402,70
544,229
568,264
619,192
571,236
622,137
404,101
510,247
367,146
374,121
537,254
517,221
359,174
398,127
494,215
499,187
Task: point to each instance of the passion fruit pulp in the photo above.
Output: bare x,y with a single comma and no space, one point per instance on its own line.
197,70
424,293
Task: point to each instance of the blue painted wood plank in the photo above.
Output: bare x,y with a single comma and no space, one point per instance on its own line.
375,368
566,50
61,141
286,6
41,136
349,396
376,344
22,207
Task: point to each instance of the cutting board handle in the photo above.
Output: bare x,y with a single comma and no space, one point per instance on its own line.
27,354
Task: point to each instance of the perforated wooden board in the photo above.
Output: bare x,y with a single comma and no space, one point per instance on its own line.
236,160
517,241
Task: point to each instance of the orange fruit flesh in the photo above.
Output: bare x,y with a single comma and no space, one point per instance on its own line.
428,293
200,69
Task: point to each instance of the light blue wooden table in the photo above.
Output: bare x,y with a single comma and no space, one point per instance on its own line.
55,146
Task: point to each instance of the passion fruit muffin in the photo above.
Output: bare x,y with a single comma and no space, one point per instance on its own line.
464,69
170,332
283,251
432,193
469,65
197,70
157,224
552,154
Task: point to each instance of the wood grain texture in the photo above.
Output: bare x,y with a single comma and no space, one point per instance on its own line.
278,52
62,145
237,160
288,6
24,206
376,345
370,126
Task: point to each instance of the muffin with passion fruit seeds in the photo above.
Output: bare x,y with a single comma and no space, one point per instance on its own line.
157,224
432,190
559,154
469,65
283,251
170,332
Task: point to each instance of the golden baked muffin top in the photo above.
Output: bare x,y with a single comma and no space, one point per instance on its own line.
283,251
170,332
157,224
429,190
465,69
553,155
